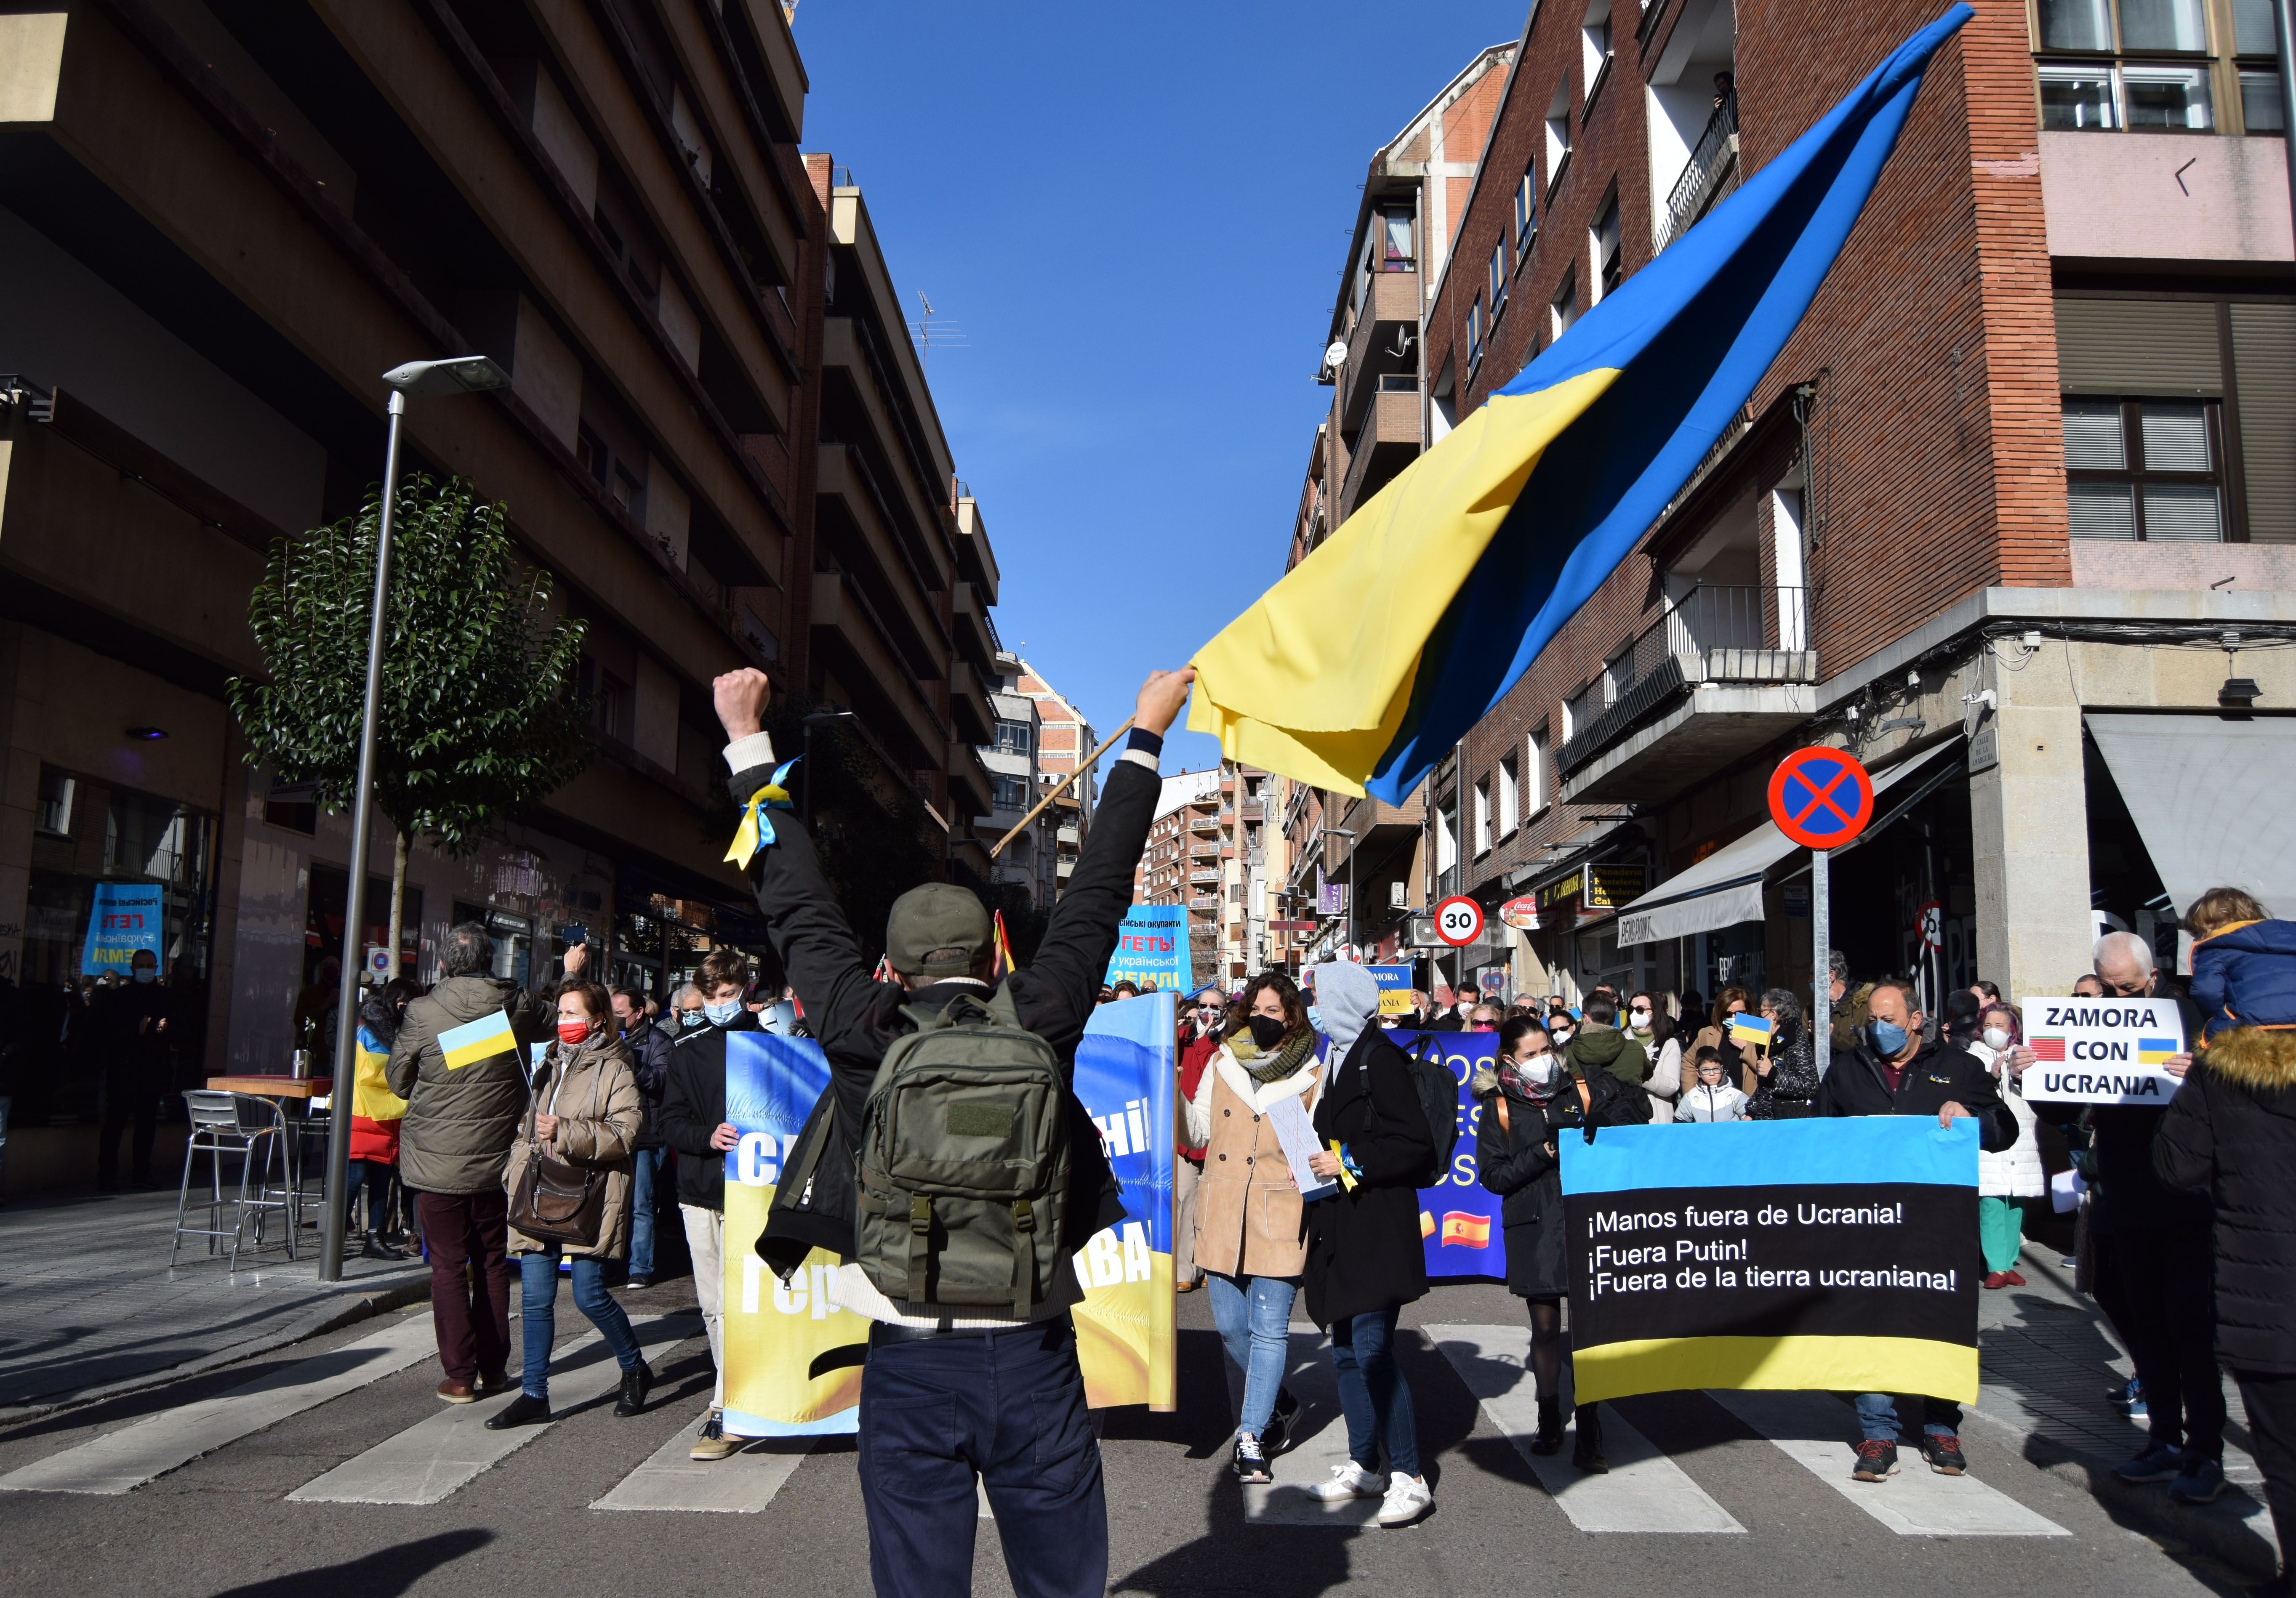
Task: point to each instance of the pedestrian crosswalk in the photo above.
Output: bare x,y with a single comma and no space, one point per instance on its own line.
1647,1491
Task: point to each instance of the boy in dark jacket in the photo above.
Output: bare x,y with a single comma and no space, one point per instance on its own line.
947,1403
1894,1071
2244,963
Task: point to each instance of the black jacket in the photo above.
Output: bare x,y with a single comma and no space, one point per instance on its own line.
857,1018
649,1047
693,1107
2229,1136
1940,1074
1513,1161
2129,1195
1793,1082
1364,1247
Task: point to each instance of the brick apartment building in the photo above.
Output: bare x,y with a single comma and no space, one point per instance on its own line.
2013,516
1211,849
1064,738
222,221
1038,738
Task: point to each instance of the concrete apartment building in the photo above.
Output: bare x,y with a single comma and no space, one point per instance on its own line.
1014,760
2013,518
1181,864
223,220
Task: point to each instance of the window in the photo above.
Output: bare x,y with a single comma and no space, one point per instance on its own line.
1558,135
292,807
1395,230
1618,674
1011,793
2149,64
590,454
1507,793
1526,212
1012,737
1498,279
1602,240
2145,469
1595,39
1483,815
1475,333
1447,839
1579,710
1534,776
1566,303
611,701
53,815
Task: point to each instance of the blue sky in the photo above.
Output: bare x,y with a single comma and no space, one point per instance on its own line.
1137,215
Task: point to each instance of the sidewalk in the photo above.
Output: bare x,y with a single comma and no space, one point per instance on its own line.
92,1308
2047,1358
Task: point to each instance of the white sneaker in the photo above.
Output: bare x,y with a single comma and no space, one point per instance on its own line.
1407,1498
1350,1481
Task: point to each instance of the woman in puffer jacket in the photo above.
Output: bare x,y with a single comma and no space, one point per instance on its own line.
584,1110
2006,1180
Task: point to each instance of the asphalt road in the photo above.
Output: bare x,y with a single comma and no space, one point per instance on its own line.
224,1522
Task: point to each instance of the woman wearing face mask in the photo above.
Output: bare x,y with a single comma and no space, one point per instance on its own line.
1526,1104
1483,1017
584,1110
1716,1035
2006,1180
1562,1027
1250,1242
1786,1068
1649,1025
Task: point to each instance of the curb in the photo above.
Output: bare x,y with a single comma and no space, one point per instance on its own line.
331,1316
2235,1530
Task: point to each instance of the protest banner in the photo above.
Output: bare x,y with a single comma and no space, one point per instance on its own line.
1458,1216
1829,1254
794,1358
1394,988
126,917
2102,1051
1152,949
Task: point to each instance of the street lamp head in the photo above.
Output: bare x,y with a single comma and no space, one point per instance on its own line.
823,718
462,374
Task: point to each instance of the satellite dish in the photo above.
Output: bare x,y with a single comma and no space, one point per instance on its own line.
1336,357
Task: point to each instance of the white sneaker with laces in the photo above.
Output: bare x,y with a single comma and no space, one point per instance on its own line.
1407,1498
1350,1481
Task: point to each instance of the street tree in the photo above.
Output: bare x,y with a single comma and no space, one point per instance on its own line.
478,716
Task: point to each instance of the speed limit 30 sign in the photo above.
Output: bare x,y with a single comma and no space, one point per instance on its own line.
1458,922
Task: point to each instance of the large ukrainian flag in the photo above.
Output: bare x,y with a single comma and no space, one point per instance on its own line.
1375,653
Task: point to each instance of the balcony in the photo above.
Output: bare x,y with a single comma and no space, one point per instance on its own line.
1204,851
1383,446
1070,836
1203,823
1202,874
1722,671
1376,347
1712,173
1205,905
970,711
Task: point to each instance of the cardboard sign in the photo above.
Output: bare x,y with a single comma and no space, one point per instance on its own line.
1152,949
2102,1051
1394,988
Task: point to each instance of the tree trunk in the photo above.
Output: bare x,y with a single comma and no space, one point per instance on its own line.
398,894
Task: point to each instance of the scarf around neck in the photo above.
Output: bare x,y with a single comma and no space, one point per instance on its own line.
1290,1055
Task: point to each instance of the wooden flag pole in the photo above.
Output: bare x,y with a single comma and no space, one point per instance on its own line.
1061,787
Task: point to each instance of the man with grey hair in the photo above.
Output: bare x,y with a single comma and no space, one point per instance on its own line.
454,1143
2159,1246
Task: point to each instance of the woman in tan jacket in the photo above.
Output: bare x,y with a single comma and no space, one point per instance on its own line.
1251,1240
584,1110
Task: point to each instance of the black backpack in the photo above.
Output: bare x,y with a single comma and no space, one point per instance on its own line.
1439,1102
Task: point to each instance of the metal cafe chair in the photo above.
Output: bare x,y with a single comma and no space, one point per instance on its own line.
255,1130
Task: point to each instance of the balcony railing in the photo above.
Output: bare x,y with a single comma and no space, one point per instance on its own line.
1210,874
1719,634
1711,174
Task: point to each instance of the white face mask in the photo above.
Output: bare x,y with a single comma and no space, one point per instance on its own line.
1560,1033
1997,1038
1537,1070
1461,1009
1641,1019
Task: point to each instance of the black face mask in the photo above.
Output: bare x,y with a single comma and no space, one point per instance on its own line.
1266,1030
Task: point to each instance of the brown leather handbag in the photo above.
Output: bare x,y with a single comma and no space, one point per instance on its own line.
559,1202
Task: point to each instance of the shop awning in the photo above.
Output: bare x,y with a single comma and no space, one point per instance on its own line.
1725,888
2210,798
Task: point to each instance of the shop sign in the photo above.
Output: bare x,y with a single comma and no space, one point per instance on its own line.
1523,914
1554,893
1613,884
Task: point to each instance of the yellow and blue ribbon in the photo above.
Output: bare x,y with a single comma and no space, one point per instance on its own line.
757,829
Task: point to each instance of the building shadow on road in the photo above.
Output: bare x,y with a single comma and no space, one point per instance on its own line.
385,1573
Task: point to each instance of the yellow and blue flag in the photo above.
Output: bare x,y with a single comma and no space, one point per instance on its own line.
2156,1051
757,829
1379,650
473,1041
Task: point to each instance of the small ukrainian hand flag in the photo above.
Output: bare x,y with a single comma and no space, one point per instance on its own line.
757,830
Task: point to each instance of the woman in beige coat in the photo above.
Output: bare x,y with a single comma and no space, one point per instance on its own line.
1252,1239
584,1110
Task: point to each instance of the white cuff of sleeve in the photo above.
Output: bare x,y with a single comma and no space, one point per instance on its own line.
1140,756
756,750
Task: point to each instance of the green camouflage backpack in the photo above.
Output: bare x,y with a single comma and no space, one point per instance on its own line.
964,1163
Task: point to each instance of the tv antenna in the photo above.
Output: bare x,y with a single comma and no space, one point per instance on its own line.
933,329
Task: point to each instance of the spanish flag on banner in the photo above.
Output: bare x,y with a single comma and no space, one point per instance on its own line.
473,1041
1373,655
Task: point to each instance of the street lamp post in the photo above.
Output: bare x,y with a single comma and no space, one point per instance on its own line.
463,375
817,719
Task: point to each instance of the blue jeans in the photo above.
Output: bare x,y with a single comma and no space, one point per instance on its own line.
1877,1417
1254,1317
646,1164
1008,1408
1373,1394
537,1294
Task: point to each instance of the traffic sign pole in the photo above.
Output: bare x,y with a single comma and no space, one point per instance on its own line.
1821,949
1821,799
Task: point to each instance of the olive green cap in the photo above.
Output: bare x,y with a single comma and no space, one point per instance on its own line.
937,916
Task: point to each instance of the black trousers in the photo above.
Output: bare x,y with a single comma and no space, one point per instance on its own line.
2167,1283
128,1096
1007,1407
2271,1402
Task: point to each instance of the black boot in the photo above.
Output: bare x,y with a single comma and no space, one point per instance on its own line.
1587,1455
636,1383
1549,1438
524,1410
